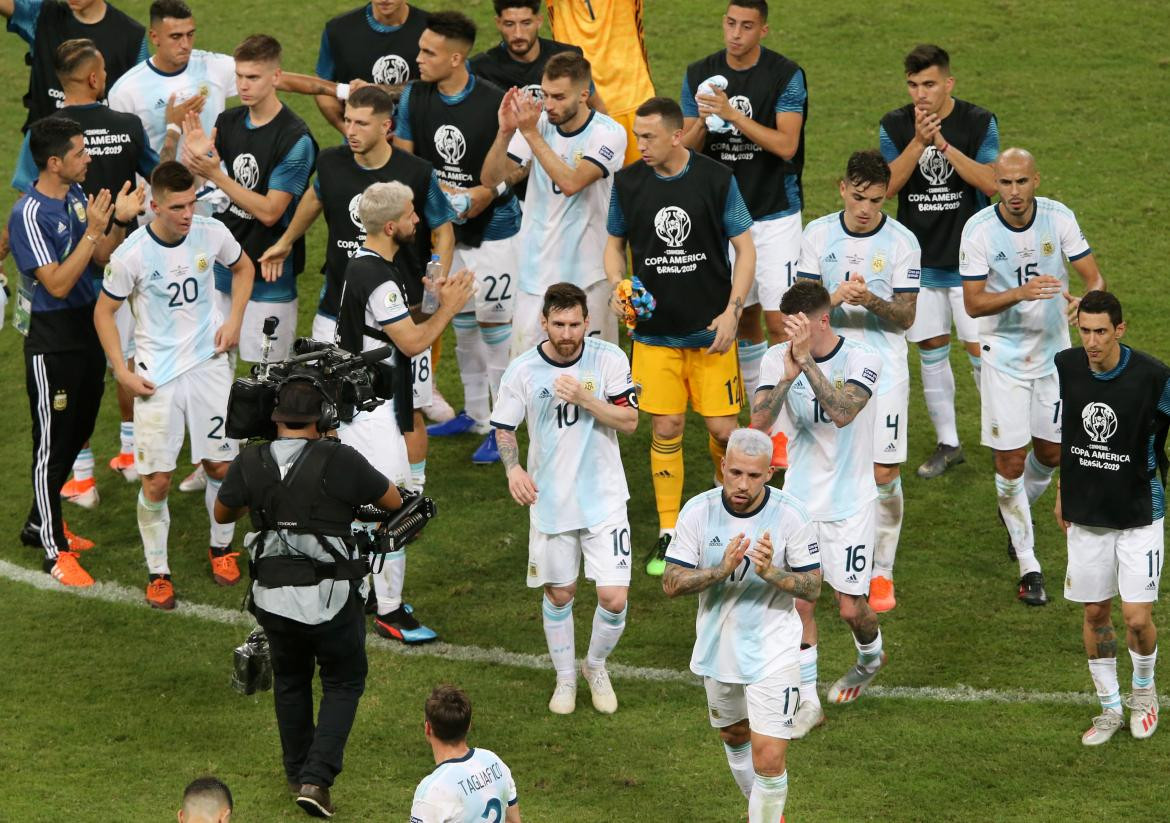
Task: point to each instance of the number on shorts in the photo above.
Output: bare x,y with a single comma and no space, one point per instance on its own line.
819,414
893,424
188,290
1056,412
791,697
493,812
1026,273
854,559
567,415
491,297
216,428
791,274
734,391
1154,556
621,542
420,369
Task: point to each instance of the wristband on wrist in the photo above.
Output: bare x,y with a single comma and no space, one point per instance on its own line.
342,92
123,223
943,149
502,188
91,239
176,128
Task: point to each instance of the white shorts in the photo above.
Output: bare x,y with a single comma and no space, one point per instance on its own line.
890,421
768,704
494,265
423,379
777,254
1105,562
936,309
527,331
555,559
124,321
375,434
847,551
252,332
324,328
196,402
1014,411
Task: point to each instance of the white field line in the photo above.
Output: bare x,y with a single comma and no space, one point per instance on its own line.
117,593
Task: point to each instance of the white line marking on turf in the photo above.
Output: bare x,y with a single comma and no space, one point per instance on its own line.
117,593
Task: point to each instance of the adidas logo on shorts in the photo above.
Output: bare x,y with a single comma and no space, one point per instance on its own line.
851,578
622,564
497,308
715,541
1152,586
891,448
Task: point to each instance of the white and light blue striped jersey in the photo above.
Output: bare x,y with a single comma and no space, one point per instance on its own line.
563,236
830,469
469,789
1022,340
888,258
171,291
573,460
144,91
746,628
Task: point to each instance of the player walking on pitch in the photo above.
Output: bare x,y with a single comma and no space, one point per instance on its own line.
870,265
1012,263
1115,405
749,551
576,393
822,382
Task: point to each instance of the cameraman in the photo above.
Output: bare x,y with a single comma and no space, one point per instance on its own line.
309,582
372,313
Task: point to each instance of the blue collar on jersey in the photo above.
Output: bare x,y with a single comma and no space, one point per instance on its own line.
584,126
1009,226
555,364
1126,351
150,65
881,224
464,759
833,353
752,513
685,169
162,242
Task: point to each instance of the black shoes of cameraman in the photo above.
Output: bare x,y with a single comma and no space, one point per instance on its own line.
315,801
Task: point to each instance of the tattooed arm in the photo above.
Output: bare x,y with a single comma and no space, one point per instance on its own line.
805,585
898,312
841,405
520,484
679,580
767,403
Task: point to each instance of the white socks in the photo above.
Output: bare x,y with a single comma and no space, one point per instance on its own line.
938,386
1037,476
83,465
766,804
1017,516
869,655
471,354
739,758
497,342
889,527
558,631
154,524
1143,668
750,355
808,675
221,533
126,435
388,583
1104,674
607,630
976,370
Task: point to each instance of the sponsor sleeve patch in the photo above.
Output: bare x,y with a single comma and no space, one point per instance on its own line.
606,152
913,274
870,375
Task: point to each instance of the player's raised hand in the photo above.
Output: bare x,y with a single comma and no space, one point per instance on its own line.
791,367
272,261
1074,305
521,487
761,553
733,554
926,127
129,204
507,112
177,112
799,333
527,109
455,289
716,103
99,209
1040,287
568,388
852,291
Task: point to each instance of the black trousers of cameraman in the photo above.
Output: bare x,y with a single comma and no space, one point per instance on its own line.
313,753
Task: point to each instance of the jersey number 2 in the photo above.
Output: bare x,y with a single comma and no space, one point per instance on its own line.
493,812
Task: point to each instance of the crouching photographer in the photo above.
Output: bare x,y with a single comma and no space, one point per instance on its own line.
308,590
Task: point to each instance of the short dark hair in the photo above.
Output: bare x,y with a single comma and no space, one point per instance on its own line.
52,136
563,296
926,55
448,710
372,97
532,5
72,55
759,5
1101,302
453,25
806,296
666,108
161,9
258,48
867,168
211,788
170,176
569,64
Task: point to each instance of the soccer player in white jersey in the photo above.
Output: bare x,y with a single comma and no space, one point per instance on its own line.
182,372
1011,260
819,385
570,152
468,785
871,266
576,393
749,551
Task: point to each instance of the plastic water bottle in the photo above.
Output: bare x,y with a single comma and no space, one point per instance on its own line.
430,301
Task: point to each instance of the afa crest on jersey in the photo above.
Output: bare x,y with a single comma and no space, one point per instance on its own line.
1047,247
201,262
589,382
79,210
879,262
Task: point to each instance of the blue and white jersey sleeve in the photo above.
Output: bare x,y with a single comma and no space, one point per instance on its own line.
518,148
794,96
972,250
686,546
437,209
510,408
907,273
1073,244
618,380
386,305
291,174
222,69
801,551
120,278
402,114
606,147
812,241
23,21
227,248
736,217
